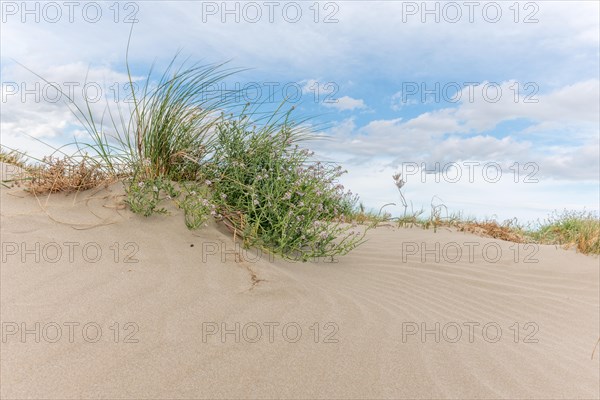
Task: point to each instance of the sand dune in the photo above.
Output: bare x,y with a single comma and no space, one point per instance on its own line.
183,316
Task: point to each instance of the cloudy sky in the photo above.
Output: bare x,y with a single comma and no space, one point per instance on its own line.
490,108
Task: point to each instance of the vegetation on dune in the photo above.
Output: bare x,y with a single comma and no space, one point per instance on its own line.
184,142
580,230
568,229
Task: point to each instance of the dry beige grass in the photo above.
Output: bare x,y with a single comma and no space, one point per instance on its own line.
493,230
13,157
65,175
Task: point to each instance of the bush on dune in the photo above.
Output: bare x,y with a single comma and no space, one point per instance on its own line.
269,191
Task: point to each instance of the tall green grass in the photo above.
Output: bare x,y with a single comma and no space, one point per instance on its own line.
173,123
167,126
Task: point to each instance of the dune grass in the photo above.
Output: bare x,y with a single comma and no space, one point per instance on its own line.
173,123
568,229
168,129
54,174
578,229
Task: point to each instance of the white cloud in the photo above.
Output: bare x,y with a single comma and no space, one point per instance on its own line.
482,107
491,104
461,133
330,50
346,103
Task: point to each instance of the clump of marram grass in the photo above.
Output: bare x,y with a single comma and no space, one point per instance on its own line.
571,229
165,139
169,126
173,123
269,192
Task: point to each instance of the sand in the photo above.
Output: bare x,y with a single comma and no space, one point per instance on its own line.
121,306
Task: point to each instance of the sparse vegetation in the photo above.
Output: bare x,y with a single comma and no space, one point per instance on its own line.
571,229
249,172
196,204
361,216
508,230
144,196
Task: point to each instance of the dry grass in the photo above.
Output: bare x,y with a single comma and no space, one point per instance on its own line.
569,229
579,230
361,216
492,229
65,175
13,157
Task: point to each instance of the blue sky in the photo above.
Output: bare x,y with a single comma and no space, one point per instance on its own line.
521,86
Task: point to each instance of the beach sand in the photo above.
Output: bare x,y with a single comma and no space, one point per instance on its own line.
97,302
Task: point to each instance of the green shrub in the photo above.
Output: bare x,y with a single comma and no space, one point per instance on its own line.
267,190
195,204
144,196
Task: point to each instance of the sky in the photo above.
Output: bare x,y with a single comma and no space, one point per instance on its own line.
490,109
